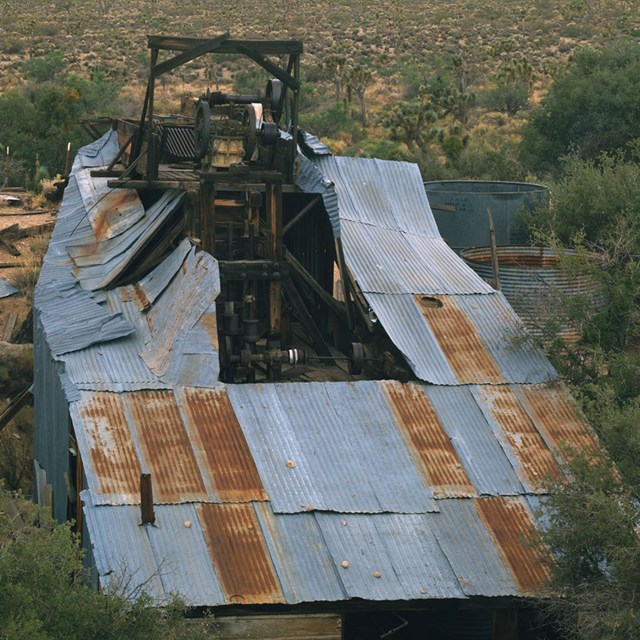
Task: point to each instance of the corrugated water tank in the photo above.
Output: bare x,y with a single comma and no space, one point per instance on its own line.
460,209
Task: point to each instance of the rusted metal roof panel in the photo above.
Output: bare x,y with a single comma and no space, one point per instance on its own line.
471,550
172,342
456,334
107,448
554,414
479,451
526,449
239,554
506,339
165,447
217,438
98,261
433,453
328,446
511,525
300,556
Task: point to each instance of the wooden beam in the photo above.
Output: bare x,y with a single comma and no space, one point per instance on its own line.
266,47
197,50
301,215
16,404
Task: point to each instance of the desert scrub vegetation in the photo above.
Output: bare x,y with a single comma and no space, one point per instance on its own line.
479,64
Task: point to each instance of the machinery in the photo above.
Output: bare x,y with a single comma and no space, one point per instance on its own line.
288,305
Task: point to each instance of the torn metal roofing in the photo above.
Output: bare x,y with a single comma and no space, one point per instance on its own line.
299,492
395,252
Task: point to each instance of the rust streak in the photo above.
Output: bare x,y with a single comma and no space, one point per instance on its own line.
239,553
537,463
112,451
553,412
235,476
464,349
209,322
166,447
427,441
511,526
110,209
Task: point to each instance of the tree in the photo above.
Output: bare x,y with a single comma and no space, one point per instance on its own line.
411,122
43,595
593,107
358,79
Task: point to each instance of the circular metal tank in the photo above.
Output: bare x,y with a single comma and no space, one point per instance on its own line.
460,210
534,284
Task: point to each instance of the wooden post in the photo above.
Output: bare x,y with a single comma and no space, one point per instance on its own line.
494,252
7,165
66,161
146,499
274,217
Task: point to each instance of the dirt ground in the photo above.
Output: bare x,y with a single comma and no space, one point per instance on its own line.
21,270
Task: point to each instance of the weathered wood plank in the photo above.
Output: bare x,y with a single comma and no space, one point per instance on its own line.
280,627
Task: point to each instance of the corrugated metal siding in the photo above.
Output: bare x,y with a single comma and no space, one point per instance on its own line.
433,452
239,554
471,550
481,454
214,431
455,333
511,525
534,462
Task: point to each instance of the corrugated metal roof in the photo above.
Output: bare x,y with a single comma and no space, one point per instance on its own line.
471,550
328,447
480,453
511,524
239,554
312,145
524,446
433,453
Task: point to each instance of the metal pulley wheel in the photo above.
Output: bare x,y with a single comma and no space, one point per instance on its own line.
274,98
250,122
356,358
201,130
270,133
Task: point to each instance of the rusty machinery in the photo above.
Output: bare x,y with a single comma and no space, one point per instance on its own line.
235,156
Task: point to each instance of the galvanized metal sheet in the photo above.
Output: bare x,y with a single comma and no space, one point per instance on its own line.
73,320
7,289
511,525
115,254
405,325
110,211
98,153
327,446
418,560
122,552
481,454
171,344
516,353
382,193
471,550
359,554
218,441
182,556
433,453
300,556
310,179
554,414
526,449
312,145
239,554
